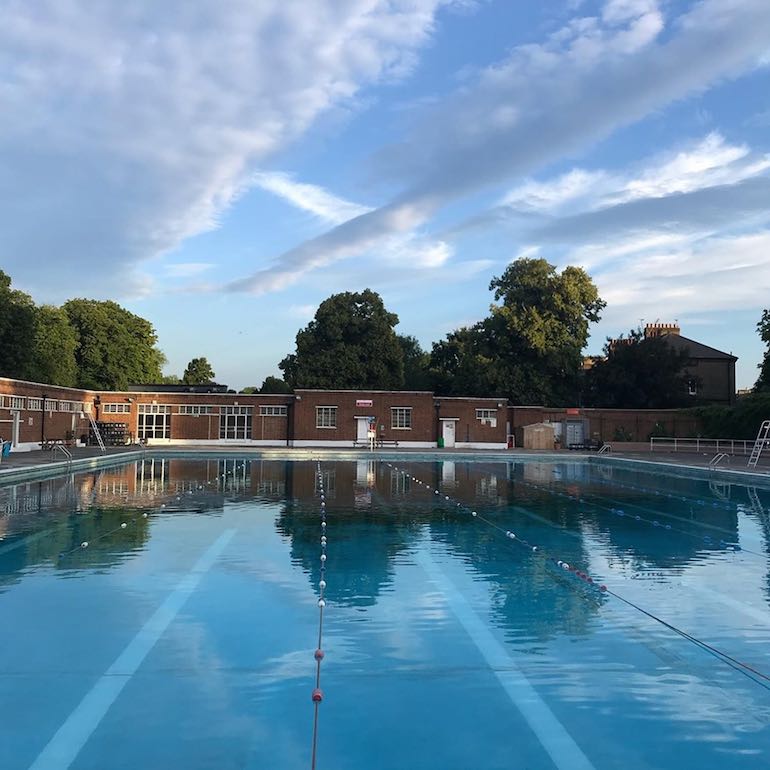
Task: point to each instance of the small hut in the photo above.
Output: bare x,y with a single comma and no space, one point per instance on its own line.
539,435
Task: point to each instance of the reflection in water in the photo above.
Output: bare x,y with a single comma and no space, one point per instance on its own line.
387,618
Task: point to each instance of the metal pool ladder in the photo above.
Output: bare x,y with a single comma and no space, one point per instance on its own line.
759,444
63,449
716,459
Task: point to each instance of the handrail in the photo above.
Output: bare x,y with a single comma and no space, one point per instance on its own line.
729,446
63,449
605,448
716,459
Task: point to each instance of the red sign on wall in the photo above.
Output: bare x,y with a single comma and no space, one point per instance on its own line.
573,411
364,402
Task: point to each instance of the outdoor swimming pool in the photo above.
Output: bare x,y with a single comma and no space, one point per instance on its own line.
185,638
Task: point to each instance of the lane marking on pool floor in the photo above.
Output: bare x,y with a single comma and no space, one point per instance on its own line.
69,739
552,734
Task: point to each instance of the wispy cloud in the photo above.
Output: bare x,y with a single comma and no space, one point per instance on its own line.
168,110
723,273
309,197
708,163
545,100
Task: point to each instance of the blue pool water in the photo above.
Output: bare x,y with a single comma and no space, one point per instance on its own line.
185,639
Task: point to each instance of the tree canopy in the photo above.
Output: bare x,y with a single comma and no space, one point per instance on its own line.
198,372
529,348
274,385
417,374
17,331
54,347
115,347
350,343
763,328
639,373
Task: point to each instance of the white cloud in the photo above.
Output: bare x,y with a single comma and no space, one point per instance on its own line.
569,188
544,101
723,273
709,162
130,127
309,197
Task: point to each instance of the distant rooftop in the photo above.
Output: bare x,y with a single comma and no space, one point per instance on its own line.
209,387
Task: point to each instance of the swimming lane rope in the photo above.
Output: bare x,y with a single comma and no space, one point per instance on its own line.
756,676
317,695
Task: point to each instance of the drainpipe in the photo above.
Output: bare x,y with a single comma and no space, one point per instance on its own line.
437,405
42,422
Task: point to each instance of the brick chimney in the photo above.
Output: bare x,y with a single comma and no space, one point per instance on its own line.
661,330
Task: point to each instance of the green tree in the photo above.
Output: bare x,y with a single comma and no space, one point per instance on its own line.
763,327
17,331
55,342
539,329
463,363
529,349
349,344
115,347
639,373
274,385
416,364
249,390
198,372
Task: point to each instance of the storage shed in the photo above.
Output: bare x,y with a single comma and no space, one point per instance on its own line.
539,435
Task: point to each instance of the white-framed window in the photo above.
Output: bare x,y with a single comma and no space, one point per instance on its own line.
17,402
51,405
326,417
692,387
154,421
487,417
66,406
35,404
272,411
235,422
401,417
154,409
116,408
195,409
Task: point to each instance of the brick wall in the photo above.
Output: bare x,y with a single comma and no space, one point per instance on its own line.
422,415
61,419
468,428
609,424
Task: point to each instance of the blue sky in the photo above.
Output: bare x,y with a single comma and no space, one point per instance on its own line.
221,168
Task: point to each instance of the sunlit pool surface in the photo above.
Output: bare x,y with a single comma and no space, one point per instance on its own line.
185,639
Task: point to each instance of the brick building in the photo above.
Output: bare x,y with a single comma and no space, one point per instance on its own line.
182,415
711,372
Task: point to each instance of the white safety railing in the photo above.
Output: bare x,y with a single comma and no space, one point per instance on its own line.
729,446
716,459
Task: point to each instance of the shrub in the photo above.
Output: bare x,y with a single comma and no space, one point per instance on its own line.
622,434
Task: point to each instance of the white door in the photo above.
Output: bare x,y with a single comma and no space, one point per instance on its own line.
362,426
448,432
